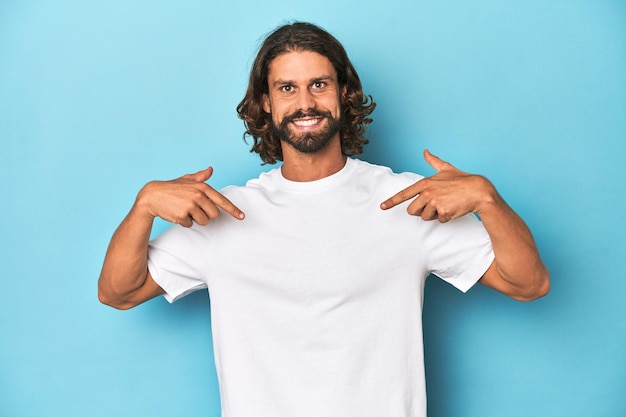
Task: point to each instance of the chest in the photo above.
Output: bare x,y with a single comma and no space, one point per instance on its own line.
313,248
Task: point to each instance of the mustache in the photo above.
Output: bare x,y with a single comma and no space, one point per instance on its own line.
299,114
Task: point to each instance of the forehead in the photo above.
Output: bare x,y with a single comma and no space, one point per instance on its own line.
300,65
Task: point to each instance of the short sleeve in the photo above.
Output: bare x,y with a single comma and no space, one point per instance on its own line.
176,262
458,251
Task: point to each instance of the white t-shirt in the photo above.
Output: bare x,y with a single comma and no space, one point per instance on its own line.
316,297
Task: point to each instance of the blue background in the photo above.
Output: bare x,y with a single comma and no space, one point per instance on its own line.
99,97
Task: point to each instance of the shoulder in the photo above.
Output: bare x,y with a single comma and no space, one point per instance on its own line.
253,189
384,174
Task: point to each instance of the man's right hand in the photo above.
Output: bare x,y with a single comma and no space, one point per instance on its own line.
125,280
185,200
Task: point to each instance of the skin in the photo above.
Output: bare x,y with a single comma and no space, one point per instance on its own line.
303,80
517,270
125,280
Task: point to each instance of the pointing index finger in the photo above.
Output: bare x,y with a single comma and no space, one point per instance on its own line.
225,204
402,196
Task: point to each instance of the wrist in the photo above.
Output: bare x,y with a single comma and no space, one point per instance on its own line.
489,200
142,206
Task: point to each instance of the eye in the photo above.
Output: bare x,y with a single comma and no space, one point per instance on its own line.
286,88
318,85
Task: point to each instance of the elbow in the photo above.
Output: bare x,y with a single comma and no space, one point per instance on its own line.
539,288
110,299
118,305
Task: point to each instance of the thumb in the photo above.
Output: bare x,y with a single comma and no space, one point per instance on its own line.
201,176
436,162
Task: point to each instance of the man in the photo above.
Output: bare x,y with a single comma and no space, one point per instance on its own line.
316,293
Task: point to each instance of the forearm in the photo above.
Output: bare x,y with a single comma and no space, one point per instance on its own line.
517,261
124,270
125,281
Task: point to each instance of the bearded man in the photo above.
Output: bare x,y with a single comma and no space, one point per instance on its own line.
316,292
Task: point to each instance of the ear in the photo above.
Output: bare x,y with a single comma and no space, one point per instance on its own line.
344,91
266,104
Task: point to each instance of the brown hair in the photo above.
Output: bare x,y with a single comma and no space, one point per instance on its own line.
300,36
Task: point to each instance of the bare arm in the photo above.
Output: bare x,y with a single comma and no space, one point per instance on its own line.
125,281
517,270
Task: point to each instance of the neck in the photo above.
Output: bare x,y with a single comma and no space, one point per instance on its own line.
304,167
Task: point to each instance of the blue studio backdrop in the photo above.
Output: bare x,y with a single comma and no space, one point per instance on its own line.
99,97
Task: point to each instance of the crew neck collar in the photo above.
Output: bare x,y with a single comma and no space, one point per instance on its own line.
317,185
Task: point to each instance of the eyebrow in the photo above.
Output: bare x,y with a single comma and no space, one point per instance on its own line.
312,80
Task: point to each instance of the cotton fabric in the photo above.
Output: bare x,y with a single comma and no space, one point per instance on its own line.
316,297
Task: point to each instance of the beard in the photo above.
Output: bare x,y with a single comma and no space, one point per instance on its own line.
307,142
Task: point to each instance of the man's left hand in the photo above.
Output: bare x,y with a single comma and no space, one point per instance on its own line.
447,195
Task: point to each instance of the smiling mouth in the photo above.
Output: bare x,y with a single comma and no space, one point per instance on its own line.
309,122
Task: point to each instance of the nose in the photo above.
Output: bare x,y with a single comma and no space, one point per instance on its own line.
305,100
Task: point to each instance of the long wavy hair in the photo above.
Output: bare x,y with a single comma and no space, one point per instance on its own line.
301,36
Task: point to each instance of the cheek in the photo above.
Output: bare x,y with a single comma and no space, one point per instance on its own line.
276,119
281,109
334,106
277,115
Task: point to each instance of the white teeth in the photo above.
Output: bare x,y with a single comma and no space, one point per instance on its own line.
305,123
